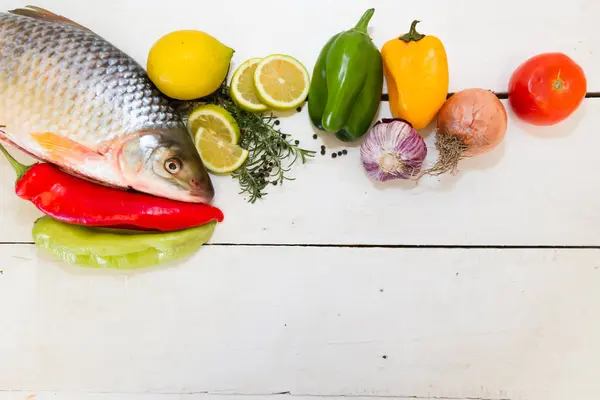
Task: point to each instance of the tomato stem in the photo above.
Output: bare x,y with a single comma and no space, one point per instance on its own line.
558,84
412,35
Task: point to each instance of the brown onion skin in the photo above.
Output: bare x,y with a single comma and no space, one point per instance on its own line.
477,117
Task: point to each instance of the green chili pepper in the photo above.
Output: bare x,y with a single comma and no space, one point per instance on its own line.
347,82
120,249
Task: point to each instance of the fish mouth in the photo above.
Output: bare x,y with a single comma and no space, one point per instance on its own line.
192,192
201,192
189,194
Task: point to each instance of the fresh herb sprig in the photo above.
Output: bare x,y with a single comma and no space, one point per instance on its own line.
271,152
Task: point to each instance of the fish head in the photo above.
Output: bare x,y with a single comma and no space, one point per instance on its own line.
165,163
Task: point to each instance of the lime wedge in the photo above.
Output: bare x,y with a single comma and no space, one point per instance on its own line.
219,155
215,119
242,89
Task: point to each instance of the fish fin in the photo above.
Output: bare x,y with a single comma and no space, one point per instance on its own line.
4,138
64,150
40,13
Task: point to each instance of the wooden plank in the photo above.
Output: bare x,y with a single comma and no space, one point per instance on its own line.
484,45
185,396
539,188
62,395
195,396
481,324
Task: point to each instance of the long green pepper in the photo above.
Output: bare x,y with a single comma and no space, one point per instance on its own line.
347,83
109,248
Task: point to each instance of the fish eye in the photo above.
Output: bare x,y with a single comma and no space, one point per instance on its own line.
173,165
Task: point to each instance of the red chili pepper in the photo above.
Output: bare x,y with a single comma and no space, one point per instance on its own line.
77,201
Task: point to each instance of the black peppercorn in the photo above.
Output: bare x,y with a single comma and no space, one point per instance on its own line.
277,122
333,155
283,135
344,152
274,183
315,136
299,109
322,152
339,153
297,142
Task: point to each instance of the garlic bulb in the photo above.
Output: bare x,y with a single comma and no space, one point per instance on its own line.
393,149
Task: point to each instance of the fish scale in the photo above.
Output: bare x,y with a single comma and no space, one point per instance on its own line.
69,97
94,62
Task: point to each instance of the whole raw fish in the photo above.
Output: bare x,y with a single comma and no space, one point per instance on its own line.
69,97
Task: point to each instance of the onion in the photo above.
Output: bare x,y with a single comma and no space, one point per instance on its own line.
393,149
471,122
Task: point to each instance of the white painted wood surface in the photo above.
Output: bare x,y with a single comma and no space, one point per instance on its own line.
194,396
237,322
484,44
531,190
537,188
492,324
53,395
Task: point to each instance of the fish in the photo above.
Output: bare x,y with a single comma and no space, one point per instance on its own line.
71,98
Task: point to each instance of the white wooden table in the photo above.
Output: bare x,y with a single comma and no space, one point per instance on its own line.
484,285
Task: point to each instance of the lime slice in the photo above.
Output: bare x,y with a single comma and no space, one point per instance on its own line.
219,155
242,89
281,81
215,119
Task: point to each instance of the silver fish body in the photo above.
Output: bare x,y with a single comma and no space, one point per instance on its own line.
69,97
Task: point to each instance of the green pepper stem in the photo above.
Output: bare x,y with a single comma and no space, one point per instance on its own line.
362,24
19,168
412,35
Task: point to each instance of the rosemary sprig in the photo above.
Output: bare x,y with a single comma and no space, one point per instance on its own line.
271,152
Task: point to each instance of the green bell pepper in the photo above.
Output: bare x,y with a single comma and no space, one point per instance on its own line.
119,249
347,82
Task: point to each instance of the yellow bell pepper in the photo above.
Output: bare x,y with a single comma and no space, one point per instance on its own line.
416,71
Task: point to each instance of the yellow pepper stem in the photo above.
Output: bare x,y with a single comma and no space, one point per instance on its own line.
412,35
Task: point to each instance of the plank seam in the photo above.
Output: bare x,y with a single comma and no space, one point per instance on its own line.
410,246
284,393
385,246
502,95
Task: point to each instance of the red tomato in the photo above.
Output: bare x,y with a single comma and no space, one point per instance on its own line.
546,89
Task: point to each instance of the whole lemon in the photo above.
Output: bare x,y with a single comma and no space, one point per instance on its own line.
188,64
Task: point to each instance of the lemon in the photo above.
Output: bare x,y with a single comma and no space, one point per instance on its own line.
242,89
219,155
281,81
188,64
217,120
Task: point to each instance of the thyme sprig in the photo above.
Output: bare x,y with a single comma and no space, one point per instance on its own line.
271,151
